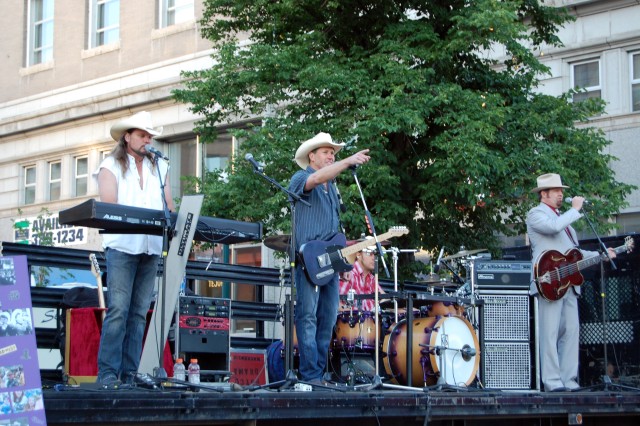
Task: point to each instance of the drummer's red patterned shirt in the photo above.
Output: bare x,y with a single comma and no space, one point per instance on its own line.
362,284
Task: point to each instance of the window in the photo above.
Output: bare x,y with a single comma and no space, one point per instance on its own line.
81,176
175,11
30,184
105,18
55,178
635,82
40,32
586,75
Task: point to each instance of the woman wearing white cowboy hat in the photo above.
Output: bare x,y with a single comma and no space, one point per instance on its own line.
558,320
316,308
129,176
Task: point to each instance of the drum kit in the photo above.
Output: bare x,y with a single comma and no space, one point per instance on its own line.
424,337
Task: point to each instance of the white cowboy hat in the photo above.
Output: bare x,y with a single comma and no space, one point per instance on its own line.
319,140
141,120
549,181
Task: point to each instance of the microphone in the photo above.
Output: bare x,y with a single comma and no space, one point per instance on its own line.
156,152
343,208
256,165
437,267
467,352
570,199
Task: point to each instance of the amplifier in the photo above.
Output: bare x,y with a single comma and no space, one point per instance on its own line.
205,307
503,274
204,326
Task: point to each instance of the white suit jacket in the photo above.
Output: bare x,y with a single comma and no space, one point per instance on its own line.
547,232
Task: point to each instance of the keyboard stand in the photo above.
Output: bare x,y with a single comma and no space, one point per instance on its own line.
175,264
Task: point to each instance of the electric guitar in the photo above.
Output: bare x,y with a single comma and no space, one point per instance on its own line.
95,268
323,258
556,272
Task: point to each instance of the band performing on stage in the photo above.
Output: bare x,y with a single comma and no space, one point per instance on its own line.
457,326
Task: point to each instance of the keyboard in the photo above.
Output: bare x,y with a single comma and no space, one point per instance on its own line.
120,219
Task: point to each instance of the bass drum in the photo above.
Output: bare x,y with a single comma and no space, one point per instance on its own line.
455,333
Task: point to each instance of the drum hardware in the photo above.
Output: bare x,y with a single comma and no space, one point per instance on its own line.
394,256
351,296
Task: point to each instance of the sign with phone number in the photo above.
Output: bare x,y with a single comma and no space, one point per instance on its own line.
48,231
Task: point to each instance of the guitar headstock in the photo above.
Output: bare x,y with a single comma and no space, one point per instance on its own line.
629,244
95,267
397,231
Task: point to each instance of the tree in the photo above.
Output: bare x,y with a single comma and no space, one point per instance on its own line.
457,139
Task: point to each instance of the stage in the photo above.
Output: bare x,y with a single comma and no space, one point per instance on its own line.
508,366
342,406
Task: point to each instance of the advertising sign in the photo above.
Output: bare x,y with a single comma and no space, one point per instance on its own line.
21,401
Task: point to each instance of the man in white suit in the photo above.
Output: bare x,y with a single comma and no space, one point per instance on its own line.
558,321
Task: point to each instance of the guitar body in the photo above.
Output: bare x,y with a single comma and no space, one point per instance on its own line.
323,259
554,273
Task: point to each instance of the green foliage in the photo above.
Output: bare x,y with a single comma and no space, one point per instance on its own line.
456,139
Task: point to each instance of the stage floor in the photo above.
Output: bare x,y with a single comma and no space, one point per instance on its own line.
339,405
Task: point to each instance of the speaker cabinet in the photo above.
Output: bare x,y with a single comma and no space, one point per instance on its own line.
204,331
507,345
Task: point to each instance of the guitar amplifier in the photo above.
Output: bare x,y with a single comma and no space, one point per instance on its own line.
503,274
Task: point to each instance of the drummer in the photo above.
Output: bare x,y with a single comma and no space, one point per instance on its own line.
361,279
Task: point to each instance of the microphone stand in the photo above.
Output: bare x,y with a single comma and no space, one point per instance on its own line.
603,295
376,382
290,376
442,384
160,371
369,220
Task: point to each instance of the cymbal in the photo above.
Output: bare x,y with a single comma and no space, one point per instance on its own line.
463,253
429,279
437,284
278,242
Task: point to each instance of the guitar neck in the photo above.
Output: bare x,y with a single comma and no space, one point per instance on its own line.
586,263
348,251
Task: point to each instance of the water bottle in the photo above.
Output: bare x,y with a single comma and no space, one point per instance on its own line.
179,372
194,371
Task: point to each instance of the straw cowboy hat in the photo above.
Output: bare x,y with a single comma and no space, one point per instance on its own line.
141,120
319,140
549,181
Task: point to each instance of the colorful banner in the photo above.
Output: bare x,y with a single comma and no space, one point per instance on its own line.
21,400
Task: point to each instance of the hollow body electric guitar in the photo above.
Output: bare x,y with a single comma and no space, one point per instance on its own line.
321,259
556,272
95,269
